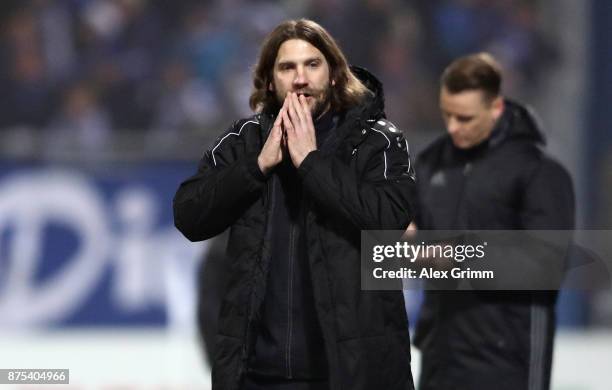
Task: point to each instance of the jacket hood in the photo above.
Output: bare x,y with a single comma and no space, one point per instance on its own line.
517,121
374,106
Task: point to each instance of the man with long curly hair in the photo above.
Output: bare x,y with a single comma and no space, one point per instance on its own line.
296,183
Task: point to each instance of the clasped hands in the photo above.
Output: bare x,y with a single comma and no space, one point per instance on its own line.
293,133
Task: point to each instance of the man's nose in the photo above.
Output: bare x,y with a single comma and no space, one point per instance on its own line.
300,79
453,126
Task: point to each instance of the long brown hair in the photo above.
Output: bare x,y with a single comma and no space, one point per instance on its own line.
347,91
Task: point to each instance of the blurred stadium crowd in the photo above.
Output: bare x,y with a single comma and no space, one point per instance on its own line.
107,105
152,78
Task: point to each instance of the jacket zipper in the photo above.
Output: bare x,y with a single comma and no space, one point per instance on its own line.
290,302
465,172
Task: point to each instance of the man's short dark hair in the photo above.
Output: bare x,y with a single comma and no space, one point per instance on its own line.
347,91
479,71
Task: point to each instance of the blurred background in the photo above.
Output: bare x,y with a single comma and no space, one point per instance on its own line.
106,105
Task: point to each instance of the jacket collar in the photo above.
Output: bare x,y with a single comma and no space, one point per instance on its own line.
517,122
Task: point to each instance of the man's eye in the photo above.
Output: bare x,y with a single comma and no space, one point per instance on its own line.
314,64
464,119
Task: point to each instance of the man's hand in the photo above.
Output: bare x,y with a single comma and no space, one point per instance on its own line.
299,128
410,232
442,264
272,152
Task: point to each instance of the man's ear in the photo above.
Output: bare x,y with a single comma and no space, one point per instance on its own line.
498,107
271,87
333,82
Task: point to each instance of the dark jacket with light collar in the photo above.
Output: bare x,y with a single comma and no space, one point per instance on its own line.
359,179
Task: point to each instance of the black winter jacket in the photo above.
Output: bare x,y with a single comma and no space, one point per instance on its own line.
360,180
490,340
